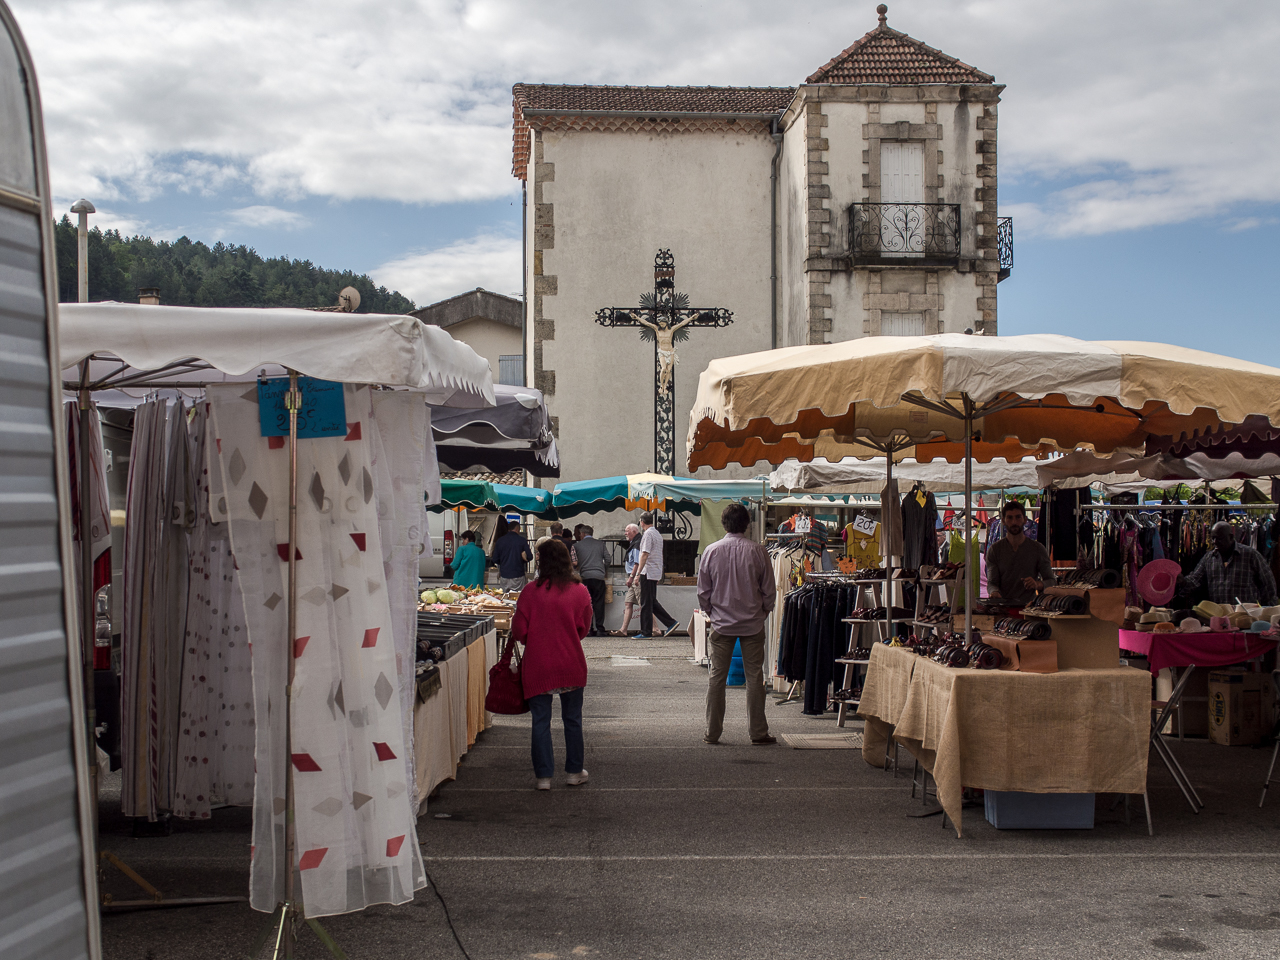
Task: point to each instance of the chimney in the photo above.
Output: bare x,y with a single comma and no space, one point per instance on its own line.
149,296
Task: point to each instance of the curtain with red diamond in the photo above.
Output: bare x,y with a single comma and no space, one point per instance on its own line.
356,838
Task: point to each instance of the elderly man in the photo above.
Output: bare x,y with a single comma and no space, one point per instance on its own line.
591,558
1232,572
633,590
736,591
648,573
512,555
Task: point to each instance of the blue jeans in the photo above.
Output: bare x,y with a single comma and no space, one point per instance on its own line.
544,758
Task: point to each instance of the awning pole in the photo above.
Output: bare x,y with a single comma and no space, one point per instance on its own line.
293,401
88,638
970,573
888,558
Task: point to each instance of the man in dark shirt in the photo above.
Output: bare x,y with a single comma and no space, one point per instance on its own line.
511,553
1017,566
1233,572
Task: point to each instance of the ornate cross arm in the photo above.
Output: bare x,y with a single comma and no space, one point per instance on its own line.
635,317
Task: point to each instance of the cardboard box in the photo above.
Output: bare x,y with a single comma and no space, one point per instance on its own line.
981,621
1091,644
1235,707
1026,656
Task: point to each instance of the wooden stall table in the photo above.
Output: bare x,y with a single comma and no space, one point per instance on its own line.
1075,731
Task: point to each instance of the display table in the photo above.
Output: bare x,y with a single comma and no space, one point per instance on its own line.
1075,731
1195,649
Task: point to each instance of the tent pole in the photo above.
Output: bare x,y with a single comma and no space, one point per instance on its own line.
293,402
970,573
888,558
87,614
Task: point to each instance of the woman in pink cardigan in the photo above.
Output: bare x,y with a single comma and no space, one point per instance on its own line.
553,614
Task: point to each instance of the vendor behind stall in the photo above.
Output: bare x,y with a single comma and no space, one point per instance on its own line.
1232,572
1017,566
468,562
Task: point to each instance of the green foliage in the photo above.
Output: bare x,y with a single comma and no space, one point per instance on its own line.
191,274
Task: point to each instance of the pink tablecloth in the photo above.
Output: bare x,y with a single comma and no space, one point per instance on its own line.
1201,649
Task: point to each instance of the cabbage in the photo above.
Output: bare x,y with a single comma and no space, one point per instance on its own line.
429,596
446,596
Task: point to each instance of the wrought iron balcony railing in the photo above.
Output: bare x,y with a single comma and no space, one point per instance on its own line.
1004,242
892,231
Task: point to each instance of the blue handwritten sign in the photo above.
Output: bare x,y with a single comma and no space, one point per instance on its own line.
323,412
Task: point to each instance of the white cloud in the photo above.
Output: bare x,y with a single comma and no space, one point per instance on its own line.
491,262
1153,110
261,215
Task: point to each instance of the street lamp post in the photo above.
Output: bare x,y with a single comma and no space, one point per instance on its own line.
83,208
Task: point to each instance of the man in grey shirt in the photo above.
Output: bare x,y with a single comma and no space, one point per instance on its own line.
1017,567
736,591
648,574
590,559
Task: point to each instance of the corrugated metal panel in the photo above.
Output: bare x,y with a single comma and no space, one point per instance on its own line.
42,880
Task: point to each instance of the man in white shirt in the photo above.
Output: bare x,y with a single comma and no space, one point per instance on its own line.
648,573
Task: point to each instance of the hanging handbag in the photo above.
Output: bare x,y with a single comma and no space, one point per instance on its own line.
506,692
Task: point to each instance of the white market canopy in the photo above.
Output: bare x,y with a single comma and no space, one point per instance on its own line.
182,343
851,475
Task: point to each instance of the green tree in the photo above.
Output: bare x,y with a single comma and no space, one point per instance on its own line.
190,273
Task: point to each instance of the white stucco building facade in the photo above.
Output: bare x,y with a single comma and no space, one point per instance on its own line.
860,203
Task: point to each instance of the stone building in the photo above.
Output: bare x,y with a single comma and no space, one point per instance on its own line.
862,202
487,322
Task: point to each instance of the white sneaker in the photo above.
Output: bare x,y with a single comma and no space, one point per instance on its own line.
544,783
574,779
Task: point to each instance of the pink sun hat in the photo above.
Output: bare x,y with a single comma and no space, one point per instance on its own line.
1158,580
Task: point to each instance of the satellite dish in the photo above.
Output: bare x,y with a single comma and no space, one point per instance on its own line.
349,299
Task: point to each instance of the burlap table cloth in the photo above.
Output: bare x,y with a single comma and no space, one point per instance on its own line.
1075,731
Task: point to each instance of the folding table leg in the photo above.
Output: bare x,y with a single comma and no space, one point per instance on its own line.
1146,803
1270,770
1175,770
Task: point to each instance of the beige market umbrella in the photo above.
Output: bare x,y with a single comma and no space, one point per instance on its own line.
956,396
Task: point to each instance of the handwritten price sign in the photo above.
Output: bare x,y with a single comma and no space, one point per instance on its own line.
865,526
323,412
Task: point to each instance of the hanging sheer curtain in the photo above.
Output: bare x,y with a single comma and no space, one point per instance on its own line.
214,753
356,835
399,475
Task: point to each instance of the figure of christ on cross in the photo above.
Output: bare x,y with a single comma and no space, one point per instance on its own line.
664,317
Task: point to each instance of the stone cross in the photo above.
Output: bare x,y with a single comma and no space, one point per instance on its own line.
665,318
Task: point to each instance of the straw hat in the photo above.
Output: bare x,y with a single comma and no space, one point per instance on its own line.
1156,616
1135,613
1241,621
1207,608
1192,625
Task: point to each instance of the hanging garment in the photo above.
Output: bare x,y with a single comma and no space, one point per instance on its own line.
890,520
919,522
98,500
216,734
356,835
863,549
399,472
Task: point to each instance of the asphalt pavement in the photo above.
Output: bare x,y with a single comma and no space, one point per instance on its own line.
677,849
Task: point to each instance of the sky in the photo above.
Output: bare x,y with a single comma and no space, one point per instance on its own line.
1137,155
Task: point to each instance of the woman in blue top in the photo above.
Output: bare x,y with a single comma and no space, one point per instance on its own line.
468,562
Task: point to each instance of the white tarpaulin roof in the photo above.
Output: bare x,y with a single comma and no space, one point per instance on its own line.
868,476
1080,468
348,347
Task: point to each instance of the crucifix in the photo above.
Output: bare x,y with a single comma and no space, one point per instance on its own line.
664,317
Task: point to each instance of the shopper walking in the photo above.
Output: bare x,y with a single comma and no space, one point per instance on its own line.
632,599
511,554
737,591
468,562
590,557
648,573
552,616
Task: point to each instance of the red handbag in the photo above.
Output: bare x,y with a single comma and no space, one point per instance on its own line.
506,693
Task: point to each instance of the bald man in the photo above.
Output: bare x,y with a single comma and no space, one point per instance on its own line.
1232,571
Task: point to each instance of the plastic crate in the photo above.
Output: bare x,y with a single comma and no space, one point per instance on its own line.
1013,810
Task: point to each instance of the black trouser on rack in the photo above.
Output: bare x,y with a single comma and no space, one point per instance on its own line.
649,606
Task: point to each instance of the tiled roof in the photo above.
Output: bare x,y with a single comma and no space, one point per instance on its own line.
887,56
568,100
513,478
765,101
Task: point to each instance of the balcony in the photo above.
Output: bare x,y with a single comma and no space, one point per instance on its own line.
1004,243
925,234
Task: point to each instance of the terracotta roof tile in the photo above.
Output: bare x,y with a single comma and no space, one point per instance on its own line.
568,99
886,56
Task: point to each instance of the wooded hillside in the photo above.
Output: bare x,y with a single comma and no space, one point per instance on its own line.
189,273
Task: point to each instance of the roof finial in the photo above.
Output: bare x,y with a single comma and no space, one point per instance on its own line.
883,10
